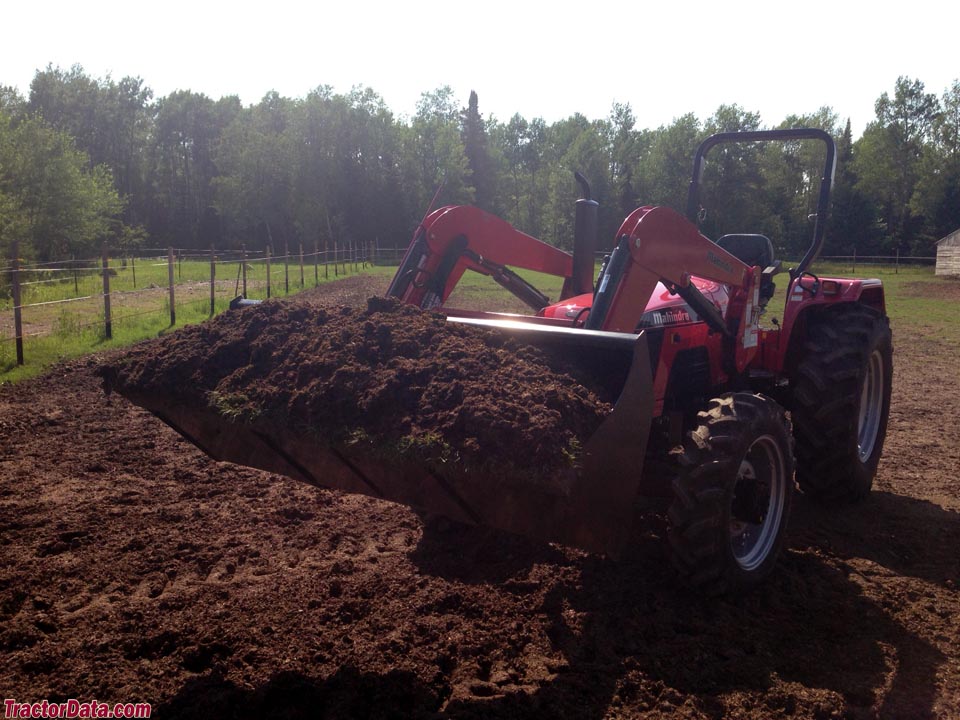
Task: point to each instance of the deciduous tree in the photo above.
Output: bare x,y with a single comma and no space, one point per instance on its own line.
51,200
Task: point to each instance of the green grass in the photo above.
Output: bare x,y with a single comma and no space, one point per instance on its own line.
153,273
915,297
477,291
140,308
71,340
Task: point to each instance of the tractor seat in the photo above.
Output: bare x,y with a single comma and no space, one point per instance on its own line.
754,250
751,249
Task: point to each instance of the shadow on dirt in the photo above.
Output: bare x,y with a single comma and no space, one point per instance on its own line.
630,637
474,554
348,693
812,641
628,630
910,537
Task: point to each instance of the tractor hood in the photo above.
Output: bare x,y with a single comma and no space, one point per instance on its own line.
663,308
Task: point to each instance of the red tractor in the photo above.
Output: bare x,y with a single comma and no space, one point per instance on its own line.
671,330
673,325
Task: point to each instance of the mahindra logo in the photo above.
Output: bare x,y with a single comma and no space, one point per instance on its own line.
719,262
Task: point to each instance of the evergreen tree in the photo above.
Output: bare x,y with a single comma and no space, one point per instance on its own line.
888,157
474,135
853,221
625,147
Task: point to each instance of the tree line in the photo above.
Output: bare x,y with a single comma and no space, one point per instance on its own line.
85,160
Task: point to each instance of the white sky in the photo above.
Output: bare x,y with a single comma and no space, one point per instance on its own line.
547,60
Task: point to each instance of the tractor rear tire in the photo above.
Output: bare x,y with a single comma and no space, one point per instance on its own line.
733,495
841,402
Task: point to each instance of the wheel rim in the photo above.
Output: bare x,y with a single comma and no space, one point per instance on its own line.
871,407
757,507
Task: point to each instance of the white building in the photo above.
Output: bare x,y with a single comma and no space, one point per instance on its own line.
948,254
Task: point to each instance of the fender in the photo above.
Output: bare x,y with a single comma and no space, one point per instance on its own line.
804,294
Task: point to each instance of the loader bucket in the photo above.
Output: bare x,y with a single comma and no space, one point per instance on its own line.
590,507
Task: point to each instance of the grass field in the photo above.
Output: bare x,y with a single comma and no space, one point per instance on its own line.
914,296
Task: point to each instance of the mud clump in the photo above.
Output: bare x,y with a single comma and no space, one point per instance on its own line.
402,382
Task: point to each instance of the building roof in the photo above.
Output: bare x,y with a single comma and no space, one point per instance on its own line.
954,234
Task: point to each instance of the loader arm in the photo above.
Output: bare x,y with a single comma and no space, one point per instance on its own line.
456,238
657,244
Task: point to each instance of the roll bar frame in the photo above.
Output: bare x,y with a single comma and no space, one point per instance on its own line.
826,180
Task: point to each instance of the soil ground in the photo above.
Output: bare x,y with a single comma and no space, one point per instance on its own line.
133,568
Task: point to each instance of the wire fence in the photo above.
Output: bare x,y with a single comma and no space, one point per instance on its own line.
73,297
893,263
393,256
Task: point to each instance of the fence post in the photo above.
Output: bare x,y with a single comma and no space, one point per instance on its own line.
316,259
268,272
896,268
854,261
76,279
133,269
213,280
17,317
107,322
301,266
326,259
243,264
336,259
173,302
286,268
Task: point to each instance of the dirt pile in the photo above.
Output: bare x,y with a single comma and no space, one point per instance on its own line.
388,378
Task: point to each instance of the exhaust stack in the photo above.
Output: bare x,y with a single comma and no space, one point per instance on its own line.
584,242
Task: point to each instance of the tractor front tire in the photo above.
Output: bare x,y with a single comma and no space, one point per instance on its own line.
841,402
733,494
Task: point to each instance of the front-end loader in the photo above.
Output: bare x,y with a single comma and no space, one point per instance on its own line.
737,413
